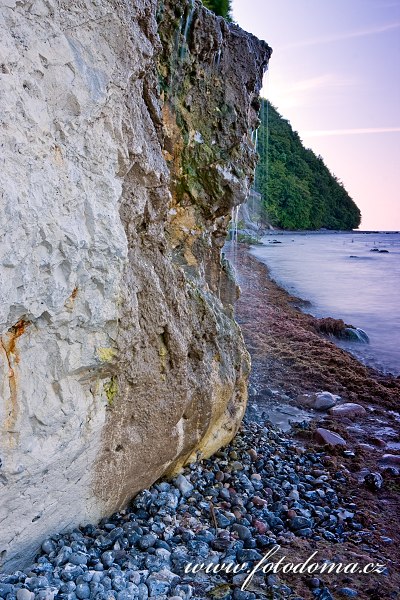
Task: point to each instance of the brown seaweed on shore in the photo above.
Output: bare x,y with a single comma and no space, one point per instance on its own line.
291,348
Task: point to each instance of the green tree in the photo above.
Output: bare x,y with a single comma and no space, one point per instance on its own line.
222,8
298,191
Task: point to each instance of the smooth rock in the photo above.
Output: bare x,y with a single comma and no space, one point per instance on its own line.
243,532
386,540
248,555
107,558
259,501
300,523
391,459
78,558
253,454
349,409
329,438
325,400
24,594
147,541
183,485
48,546
161,582
347,592
82,591
260,527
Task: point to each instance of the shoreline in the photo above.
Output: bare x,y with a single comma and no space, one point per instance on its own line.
275,232
288,333
345,277
307,307
291,360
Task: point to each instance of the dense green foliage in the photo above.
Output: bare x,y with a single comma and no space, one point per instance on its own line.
222,8
298,191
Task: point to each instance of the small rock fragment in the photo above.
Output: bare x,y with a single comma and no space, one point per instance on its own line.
373,481
183,485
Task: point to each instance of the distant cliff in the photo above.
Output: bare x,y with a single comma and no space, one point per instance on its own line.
298,191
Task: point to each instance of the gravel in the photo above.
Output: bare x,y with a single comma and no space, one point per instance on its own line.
260,491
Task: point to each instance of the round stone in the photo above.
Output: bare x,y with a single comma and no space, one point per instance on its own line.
48,546
147,541
243,532
107,558
82,591
24,594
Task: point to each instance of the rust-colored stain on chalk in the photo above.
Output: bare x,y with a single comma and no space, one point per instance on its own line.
8,344
69,303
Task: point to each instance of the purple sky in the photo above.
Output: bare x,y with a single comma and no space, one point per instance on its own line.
335,75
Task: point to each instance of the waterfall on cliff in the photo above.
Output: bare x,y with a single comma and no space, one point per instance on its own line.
181,49
217,58
233,235
265,107
252,212
175,62
254,188
187,21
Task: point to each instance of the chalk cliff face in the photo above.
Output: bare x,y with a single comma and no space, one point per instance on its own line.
125,145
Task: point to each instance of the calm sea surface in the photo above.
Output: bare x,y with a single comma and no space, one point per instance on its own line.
342,278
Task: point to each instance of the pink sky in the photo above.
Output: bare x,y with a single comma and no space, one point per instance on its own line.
335,75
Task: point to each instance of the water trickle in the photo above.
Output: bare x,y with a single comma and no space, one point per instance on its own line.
234,235
254,188
173,79
217,58
252,212
185,33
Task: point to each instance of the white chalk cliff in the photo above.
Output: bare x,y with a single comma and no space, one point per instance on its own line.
121,157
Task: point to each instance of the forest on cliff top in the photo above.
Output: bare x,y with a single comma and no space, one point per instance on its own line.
220,7
298,190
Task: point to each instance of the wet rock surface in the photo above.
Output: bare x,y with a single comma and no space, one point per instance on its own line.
324,436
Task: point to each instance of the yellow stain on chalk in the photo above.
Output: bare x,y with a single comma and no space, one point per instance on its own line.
106,354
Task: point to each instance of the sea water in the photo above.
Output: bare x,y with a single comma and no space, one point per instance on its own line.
345,276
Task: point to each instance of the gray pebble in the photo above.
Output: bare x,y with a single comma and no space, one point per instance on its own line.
24,594
82,591
347,592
